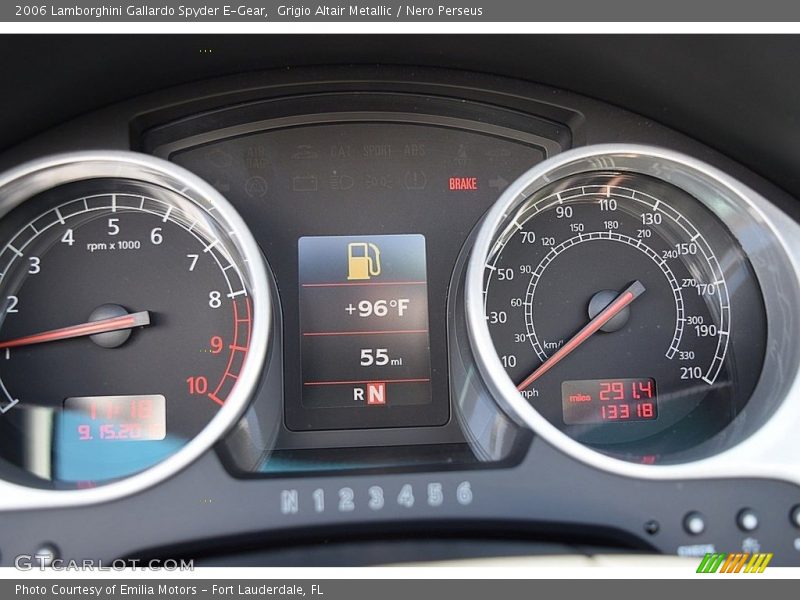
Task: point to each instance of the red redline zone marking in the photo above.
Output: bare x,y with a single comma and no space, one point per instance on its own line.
388,331
363,283
234,347
425,380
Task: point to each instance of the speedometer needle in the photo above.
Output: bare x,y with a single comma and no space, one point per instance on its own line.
139,319
630,294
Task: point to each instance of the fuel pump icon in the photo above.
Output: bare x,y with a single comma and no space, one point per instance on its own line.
363,261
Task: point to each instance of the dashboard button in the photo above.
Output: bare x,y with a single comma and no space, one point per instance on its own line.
795,516
694,523
747,519
46,554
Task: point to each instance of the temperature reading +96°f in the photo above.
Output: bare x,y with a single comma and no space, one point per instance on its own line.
379,308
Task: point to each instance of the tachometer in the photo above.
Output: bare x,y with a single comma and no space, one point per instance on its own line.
622,309
135,318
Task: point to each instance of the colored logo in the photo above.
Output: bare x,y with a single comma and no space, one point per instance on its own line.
739,562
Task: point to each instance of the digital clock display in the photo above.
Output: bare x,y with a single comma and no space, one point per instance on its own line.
591,401
116,418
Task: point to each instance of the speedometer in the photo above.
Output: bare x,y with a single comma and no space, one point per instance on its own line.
623,310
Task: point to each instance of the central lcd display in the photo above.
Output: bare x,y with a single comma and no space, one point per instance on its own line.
364,322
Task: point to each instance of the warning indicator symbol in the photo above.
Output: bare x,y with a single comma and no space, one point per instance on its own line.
363,261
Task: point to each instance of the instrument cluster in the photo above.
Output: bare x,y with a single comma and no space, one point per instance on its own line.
367,283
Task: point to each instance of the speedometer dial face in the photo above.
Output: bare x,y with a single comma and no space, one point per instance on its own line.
625,313
127,323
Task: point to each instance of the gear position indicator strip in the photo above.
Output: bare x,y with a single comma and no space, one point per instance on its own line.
364,321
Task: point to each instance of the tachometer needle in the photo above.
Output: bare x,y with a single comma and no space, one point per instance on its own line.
630,294
139,319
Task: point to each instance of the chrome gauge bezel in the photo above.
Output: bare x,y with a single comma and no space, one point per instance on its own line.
761,441
30,179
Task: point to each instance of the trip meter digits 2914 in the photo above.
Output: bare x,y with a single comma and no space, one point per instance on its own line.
128,314
624,312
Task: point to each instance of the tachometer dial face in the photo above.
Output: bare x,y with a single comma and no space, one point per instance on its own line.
127,322
625,313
